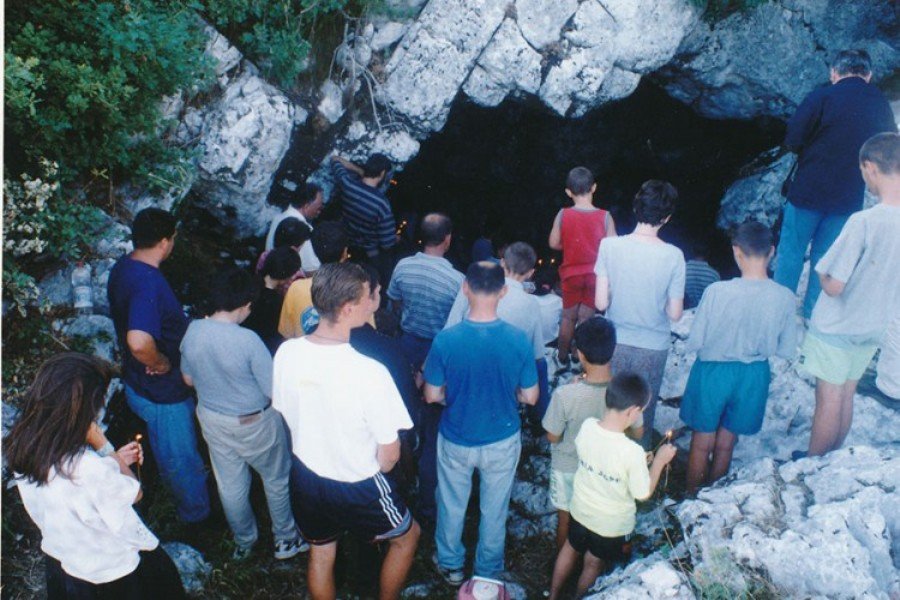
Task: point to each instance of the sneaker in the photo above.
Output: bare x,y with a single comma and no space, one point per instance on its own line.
564,367
285,549
241,553
454,577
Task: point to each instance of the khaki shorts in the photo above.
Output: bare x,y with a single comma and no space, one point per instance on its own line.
835,364
561,484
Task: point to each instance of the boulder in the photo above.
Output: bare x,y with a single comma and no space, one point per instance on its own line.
644,579
192,568
508,63
758,195
542,22
387,35
97,331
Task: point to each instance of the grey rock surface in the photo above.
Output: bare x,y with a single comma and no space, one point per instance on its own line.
756,196
192,568
97,330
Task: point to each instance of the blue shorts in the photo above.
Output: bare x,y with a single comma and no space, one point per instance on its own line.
726,394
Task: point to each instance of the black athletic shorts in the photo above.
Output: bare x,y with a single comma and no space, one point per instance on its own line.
613,550
325,508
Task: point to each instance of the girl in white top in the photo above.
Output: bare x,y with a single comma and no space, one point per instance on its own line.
79,492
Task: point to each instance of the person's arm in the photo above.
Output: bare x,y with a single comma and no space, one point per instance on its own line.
635,432
143,347
346,164
388,455
839,263
803,123
831,286
555,241
261,364
528,395
601,293
610,225
435,394
663,457
387,228
554,421
125,456
458,310
188,380
675,293
675,308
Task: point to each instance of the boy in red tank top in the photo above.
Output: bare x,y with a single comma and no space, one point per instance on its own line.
577,231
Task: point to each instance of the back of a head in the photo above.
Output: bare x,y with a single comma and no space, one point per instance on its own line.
699,249
291,232
596,340
519,258
336,284
655,202
754,239
329,241
150,226
281,263
230,289
376,165
627,390
580,181
485,277
305,194
883,150
374,277
435,228
852,62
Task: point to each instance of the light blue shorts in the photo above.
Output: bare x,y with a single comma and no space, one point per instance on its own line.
732,395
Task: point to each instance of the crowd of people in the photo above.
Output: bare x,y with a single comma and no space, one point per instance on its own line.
354,431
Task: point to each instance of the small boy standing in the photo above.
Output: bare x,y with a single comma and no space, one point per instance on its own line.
740,323
862,292
612,473
578,231
571,404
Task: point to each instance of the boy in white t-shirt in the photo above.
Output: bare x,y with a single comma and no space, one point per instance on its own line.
612,474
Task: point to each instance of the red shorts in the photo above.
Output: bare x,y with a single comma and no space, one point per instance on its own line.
579,289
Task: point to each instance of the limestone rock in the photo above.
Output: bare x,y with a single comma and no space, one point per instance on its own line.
192,568
387,35
756,196
223,54
644,579
541,22
97,330
508,63
331,105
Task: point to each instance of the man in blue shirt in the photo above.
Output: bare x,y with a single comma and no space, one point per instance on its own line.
479,369
826,132
150,323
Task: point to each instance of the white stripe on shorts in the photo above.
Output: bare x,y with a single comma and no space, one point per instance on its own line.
384,498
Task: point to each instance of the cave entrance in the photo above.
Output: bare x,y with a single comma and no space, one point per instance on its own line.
507,166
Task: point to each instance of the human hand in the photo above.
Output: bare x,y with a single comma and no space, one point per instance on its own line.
131,453
161,367
95,437
665,454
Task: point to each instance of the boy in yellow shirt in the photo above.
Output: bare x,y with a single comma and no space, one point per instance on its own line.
612,473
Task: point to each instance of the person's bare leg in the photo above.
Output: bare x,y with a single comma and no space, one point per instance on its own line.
584,313
827,418
397,562
566,332
702,445
565,563
321,571
562,528
722,452
589,573
847,392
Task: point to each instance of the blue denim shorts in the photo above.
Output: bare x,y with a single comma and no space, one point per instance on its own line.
732,395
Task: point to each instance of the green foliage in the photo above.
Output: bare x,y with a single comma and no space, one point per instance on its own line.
716,10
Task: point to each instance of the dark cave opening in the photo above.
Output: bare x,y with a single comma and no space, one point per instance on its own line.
507,165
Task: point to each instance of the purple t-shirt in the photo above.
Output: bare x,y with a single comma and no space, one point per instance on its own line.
140,299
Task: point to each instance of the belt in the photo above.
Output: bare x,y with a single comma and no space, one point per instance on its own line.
252,417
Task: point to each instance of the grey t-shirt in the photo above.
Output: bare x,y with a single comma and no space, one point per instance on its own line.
745,320
866,257
642,278
230,366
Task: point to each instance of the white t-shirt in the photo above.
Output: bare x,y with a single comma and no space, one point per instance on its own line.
339,406
309,262
551,314
88,523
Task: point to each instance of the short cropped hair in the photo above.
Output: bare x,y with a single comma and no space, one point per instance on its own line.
374,277
329,240
883,150
305,194
231,289
281,263
519,258
335,285
291,232
655,202
753,238
485,277
151,226
852,62
580,181
376,165
596,339
627,390
435,228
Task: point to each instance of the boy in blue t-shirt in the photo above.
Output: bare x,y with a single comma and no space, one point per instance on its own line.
479,369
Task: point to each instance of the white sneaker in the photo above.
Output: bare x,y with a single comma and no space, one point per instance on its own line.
285,549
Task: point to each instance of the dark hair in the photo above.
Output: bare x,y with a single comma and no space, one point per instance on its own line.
596,339
281,263
291,232
852,62
66,396
305,194
654,202
329,240
435,228
519,258
485,277
150,226
231,289
883,149
627,390
374,277
376,165
699,248
753,238
336,284
545,280
580,181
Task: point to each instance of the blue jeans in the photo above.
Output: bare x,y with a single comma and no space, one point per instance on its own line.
415,349
496,464
173,440
800,227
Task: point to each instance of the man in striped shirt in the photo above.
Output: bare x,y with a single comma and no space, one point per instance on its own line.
698,276
366,210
